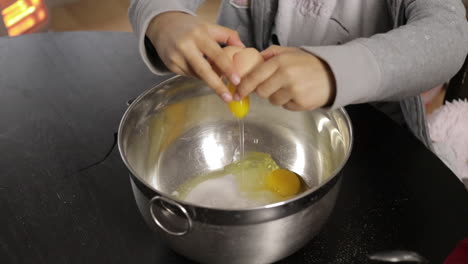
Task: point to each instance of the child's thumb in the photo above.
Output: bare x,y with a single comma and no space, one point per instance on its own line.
273,51
225,35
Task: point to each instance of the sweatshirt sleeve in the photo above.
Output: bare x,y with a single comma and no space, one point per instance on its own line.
425,52
141,12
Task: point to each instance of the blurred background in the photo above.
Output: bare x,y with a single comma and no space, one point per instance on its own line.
30,16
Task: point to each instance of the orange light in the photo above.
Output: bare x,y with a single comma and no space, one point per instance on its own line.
19,16
10,20
41,14
14,10
22,27
16,5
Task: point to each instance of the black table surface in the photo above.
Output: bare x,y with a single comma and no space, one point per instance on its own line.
62,96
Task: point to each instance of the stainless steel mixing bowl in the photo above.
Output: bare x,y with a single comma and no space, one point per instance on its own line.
180,129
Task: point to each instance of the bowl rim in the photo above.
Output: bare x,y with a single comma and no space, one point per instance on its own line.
294,199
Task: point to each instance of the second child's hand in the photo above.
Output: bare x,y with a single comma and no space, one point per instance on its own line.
292,78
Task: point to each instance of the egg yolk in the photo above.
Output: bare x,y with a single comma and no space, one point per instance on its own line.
283,182
238,108
253,181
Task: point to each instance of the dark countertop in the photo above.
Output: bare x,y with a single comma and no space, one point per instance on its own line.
61,99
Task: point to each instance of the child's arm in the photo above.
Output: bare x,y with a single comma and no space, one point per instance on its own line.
172,38
420,55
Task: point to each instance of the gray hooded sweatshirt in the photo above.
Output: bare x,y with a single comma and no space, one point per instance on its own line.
378,50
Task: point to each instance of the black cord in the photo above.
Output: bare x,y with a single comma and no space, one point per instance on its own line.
104,158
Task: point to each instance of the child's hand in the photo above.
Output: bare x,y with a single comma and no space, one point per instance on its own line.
291,77
183,40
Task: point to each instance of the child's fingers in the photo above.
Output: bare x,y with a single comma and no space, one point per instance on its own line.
269,52
204,71
293,106
179,65
280,97
271,85
273,51
250,82
225,35
222,61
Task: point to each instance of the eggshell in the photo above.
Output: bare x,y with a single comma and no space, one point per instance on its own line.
244,59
